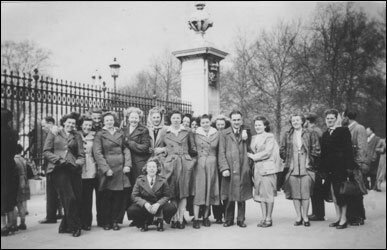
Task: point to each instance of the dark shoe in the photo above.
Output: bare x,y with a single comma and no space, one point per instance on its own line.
59,216
241,224
306,223
116,227
345,225
144,228
228,224
334,224
4,231
315,218
219,221
206,222
22,227
133,224
77,233
46,221
267,223
86,228
260,224
64,231
181,225
173,224
361,222
298,223
358,222
196,224
378,190
13,229
160,225
107,227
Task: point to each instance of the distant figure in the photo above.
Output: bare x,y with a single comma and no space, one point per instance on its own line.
381,176
374,149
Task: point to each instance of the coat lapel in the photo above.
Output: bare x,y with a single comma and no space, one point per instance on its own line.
146,185
113,138
231,134
158,184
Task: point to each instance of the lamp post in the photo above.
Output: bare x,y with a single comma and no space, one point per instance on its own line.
115,70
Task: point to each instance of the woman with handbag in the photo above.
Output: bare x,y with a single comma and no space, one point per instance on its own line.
266,165
300,150
337,161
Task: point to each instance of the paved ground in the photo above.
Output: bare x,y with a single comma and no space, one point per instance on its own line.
282,235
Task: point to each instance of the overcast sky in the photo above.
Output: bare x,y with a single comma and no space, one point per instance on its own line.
85,36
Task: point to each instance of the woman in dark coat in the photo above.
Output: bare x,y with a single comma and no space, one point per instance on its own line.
336,161
114,164
138,141
9,176
150,196
65,156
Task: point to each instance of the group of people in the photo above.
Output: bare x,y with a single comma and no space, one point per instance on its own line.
154,173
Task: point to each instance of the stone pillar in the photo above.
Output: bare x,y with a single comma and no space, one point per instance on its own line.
200,78
200,67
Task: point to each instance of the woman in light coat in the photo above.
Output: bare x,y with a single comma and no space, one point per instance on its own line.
266,164
181,148
206,179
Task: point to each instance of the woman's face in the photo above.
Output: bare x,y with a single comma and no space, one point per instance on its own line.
220,124
87,126
108,121
205,124
134,119
194,125
156,119
151,168
296,122
186,122
259,127
69,124
176,120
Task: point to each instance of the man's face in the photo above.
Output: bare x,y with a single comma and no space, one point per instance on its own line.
236,121
369,132
97,118
330,120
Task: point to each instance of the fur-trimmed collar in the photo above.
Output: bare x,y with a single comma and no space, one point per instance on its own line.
200,131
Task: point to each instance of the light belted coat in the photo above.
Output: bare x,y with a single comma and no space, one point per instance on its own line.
61,148
181,149
206,178
233,157
110,153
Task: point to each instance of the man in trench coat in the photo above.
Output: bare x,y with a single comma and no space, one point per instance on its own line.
237,183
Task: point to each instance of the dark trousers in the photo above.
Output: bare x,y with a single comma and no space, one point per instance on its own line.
69,186
88,187
230,210
141,216
218,210
356,210
111,206
52,199
318,207
126,202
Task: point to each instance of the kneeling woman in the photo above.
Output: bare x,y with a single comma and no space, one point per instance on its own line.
150,195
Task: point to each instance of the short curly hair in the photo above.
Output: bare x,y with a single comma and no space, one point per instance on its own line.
130,110
155,160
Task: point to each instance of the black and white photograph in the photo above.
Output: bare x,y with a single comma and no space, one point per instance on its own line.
193,125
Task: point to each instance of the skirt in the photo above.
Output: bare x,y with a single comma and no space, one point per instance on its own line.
299,187
265,187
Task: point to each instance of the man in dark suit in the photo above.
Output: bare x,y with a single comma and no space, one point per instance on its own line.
374,149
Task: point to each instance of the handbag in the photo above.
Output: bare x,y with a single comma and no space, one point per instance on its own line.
350,188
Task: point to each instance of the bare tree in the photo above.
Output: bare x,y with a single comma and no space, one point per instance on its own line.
24,56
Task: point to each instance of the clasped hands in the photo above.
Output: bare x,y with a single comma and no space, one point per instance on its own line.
152,208
110,172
